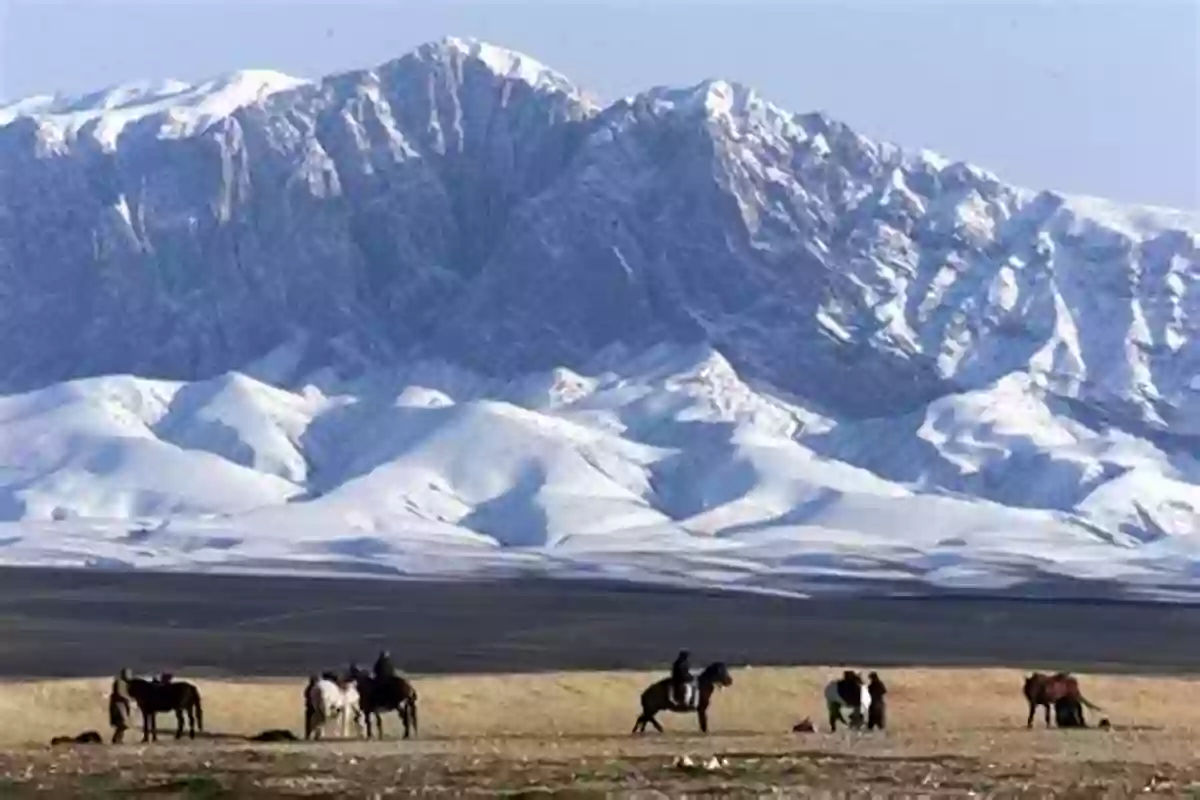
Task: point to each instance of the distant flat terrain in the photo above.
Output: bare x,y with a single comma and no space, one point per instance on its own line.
63,623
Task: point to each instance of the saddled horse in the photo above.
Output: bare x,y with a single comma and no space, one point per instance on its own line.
658,697
849,691
156,697
1045,690
386,693
330,699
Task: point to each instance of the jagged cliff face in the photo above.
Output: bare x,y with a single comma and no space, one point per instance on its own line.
468,203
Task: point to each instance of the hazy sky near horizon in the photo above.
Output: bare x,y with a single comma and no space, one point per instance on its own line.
1098,98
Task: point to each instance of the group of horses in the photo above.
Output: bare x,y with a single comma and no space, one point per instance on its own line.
1059,692
357,697
362,697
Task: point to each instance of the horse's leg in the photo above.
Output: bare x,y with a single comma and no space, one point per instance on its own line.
702,714
145,726
835,716
647,718
1048,705
1032,711
178,723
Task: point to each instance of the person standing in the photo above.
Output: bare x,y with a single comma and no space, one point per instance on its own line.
310,711
120,705
877,713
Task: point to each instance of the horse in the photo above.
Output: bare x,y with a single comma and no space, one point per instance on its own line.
1047,690
330,699
154,698
658,697
386,693
850,691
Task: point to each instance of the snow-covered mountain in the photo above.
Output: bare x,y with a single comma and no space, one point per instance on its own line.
453,313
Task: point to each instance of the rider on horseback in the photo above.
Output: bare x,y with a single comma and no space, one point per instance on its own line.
384,666
681,678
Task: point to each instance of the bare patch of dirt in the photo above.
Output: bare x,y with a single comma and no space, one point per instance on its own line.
535,770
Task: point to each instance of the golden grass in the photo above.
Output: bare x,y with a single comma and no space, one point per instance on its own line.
1153,714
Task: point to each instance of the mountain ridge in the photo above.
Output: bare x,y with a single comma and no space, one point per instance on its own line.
687,329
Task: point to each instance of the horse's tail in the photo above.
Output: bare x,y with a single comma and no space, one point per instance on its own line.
1090,704
412,706
199,707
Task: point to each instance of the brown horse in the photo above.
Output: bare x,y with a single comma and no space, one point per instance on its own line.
658,697
386,693
155,697
1046,690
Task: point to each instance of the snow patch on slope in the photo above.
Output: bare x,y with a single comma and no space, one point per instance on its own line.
508,63
182,109
1136,222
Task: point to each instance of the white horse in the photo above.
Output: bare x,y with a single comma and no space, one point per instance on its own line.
330,701
835,700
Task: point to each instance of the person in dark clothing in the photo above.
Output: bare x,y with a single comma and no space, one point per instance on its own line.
877,713
384,668
310,712
120,705
1068,713
681,677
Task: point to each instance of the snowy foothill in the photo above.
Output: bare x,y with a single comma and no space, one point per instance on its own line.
671,469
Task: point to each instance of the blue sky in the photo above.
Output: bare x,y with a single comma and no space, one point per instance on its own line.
1085,97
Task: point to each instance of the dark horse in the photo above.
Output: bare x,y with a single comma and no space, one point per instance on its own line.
154,698
658,697
848,691
1047,690
386,693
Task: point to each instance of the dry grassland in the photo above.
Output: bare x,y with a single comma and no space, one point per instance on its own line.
951,732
